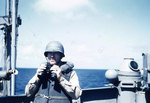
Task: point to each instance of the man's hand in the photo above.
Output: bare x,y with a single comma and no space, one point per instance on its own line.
57,70
41,68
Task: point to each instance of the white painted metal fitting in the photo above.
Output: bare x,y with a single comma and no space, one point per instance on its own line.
129,65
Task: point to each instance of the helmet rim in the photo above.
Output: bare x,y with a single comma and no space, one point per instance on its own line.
54,46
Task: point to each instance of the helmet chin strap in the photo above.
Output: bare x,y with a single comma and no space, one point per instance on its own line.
47,59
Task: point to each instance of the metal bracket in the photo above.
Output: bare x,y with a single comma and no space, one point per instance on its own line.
4,20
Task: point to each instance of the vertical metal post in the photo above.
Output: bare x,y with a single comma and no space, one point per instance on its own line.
146,67
9,9
14,42
7,50
9,64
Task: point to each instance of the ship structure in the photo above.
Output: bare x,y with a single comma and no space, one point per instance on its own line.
9,23
128,84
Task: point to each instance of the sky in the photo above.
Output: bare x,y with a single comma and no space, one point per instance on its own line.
96,34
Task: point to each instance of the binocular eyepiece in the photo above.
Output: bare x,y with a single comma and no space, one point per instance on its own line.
46,74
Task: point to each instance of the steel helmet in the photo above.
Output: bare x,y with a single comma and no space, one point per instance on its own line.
54,46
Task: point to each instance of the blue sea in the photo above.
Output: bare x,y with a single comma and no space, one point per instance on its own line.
88,78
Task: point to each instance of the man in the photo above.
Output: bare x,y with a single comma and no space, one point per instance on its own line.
55,81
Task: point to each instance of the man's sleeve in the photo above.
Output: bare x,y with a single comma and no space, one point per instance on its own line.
32,87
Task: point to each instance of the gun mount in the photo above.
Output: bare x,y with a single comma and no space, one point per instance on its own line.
133,84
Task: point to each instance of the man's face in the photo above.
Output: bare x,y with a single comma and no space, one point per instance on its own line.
54,57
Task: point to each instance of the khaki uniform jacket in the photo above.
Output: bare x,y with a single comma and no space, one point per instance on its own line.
56,92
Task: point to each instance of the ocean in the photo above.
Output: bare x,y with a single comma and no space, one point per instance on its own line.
88,78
